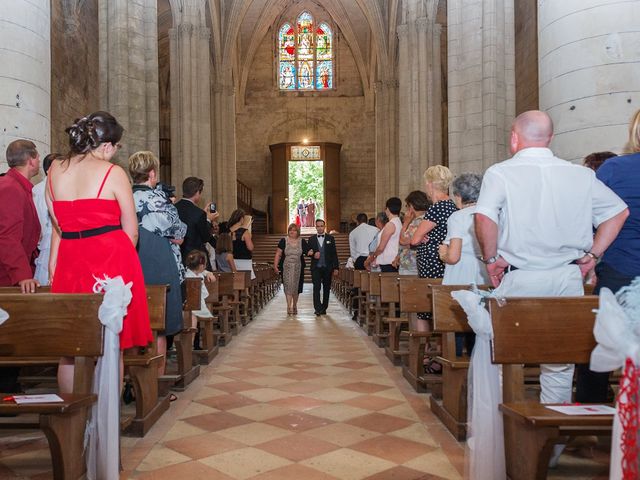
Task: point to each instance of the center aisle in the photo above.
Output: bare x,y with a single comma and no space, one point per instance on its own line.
299,397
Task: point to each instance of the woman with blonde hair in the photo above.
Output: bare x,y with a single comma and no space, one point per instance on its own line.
433,230
289,261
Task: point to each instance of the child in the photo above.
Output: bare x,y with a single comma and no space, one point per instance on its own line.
195,263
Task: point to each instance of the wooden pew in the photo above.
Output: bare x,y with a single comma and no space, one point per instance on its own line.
208,337
187,372
415,297
390,294
449,319
218,304
357,298
228,293
143,369
366,321
383,307
540,330
55,325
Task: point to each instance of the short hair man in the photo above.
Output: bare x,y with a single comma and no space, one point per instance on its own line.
359,240
324,264
197,220
534,221
19,230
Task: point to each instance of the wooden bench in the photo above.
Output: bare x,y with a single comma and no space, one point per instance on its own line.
55,325
390,295
187,372
218,304
540,330
208,335
449,319
229,294
415,297
143,369
357,298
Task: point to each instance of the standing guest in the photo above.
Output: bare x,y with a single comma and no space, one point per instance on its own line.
595,160
197,220
359,240
380,221
433,230
621,262
19,230
417,204
224,252
311,213
387,249
44,245
300,209
289,261
95,227
534,221
324,264
160,234
460,250
239,226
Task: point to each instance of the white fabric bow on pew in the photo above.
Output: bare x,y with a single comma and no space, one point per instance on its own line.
485,434
617,331
102,436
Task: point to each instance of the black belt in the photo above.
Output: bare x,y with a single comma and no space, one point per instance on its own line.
511,268
92,232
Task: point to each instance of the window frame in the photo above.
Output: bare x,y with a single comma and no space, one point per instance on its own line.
317,20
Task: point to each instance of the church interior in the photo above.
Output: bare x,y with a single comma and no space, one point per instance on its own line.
368,94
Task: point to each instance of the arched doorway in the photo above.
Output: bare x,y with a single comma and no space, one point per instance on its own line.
281,155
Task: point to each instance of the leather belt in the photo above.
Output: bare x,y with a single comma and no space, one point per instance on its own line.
511,268
92,232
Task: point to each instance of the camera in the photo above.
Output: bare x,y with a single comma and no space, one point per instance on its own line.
212,207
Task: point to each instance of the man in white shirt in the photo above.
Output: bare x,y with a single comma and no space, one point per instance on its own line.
534,221
44,244
359,240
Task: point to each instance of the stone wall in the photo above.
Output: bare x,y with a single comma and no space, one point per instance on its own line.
269,116
74,69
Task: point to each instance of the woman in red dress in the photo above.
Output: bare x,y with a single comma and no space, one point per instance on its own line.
96,228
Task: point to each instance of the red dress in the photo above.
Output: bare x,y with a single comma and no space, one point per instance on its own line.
110,254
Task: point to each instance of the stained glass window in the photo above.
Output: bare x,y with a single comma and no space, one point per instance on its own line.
305,55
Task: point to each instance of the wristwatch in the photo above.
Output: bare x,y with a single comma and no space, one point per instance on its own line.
489,260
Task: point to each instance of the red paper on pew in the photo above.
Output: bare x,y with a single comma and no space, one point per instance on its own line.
583,409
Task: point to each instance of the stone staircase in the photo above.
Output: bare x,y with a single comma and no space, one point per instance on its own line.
265,249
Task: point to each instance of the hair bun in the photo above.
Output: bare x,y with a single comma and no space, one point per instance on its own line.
82,136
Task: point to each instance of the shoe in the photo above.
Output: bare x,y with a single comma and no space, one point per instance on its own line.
317,314
323,312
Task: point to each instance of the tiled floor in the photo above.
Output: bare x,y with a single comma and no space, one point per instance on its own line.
304,398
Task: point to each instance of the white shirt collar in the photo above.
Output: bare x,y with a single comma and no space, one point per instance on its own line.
534,152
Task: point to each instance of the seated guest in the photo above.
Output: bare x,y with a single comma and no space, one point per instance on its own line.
161,233
359,240
417,204
387,249
460,249
224,253
196,263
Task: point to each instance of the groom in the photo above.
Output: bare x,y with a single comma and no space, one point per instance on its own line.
324,263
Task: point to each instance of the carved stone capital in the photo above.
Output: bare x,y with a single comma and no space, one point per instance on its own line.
422,24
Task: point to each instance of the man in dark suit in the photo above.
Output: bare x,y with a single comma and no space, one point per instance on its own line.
324,264
198,221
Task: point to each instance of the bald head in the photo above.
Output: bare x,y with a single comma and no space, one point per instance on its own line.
531,129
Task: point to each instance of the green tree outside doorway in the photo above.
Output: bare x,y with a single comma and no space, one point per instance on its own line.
306,181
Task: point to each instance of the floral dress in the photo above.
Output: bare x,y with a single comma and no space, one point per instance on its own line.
158,215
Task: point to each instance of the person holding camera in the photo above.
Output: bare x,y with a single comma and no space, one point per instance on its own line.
197,220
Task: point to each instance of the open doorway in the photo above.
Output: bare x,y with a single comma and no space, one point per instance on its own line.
306,193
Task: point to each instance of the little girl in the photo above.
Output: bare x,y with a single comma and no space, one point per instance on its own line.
195,263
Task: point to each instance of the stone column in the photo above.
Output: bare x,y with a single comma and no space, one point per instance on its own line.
386,172
25,74
589,59
420,94
129,71
224,145
481,82
190,78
